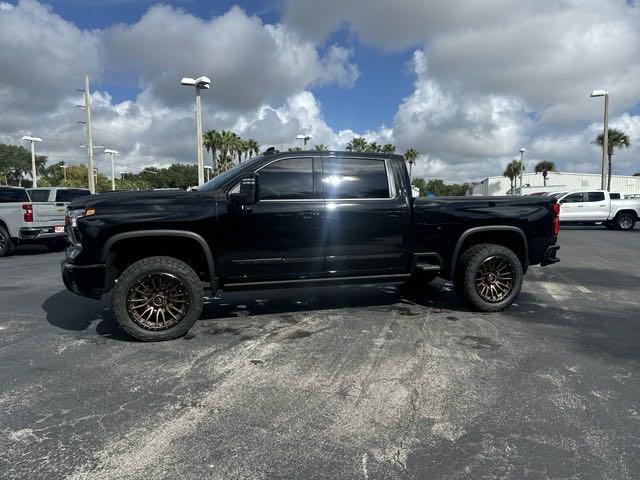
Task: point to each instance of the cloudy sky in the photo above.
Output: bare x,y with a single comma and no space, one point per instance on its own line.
466,83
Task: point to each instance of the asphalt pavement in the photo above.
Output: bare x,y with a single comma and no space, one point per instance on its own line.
368,382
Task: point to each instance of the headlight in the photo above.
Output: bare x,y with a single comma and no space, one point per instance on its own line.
74,214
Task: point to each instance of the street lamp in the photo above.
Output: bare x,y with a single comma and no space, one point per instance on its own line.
33,141
64,171
200,83
522,150
305,137
208,168
113,173
605,135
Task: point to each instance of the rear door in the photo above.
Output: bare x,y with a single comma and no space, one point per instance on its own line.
44,209
367,223
572,208
596,206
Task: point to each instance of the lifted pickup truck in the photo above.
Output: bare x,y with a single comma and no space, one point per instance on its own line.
598,206
297,219
22,223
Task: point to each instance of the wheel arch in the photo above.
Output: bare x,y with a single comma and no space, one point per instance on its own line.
486,234
110,247
630,211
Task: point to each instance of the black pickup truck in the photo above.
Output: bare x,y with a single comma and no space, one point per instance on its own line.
296,219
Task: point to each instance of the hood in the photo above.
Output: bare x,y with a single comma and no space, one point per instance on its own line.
136,198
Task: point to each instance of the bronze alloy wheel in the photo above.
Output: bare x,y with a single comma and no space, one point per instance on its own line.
158,301
495,279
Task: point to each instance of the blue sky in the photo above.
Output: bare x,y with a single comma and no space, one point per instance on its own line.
466,83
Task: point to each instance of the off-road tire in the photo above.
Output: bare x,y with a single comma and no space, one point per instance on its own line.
147,267
7,247
625,221
467,270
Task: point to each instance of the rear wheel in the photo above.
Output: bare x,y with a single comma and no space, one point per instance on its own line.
489,277
158,298
625,221
7,247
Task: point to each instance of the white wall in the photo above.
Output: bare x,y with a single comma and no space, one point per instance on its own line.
561,180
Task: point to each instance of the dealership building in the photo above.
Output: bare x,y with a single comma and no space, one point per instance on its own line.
556,182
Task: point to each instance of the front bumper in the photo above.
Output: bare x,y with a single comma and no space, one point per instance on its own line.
85,280
550,255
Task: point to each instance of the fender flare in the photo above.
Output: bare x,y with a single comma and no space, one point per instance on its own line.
165,233
489,228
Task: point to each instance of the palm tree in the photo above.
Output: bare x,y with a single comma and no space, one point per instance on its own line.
211,140
357,144
321,148
228,143
616,139
241,148
373,147
410,157
513,171
253,147
545,167
388,148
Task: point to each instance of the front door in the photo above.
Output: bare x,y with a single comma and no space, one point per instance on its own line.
368,223
279,237
596,207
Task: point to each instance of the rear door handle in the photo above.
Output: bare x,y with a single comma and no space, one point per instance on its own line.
59,204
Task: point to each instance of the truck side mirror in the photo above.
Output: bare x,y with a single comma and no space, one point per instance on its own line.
249,191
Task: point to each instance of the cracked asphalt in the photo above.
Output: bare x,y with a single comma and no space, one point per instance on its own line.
369,382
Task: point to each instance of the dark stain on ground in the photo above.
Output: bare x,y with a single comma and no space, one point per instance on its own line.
257,362
289,318
405,311
222,329
453,319
299,334
479,343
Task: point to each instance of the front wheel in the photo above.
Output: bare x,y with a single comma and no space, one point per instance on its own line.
625,221
157,298
489,277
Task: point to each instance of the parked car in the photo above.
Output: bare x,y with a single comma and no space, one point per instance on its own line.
50,203
21,223
298,219
597,206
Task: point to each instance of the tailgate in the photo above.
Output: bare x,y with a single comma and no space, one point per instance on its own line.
49,212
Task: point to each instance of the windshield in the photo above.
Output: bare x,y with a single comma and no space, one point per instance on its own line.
219,180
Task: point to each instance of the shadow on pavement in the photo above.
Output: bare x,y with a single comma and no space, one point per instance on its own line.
71,312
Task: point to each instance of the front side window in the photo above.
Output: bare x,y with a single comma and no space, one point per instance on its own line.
595,196
287,179
573,198
355,178
39,195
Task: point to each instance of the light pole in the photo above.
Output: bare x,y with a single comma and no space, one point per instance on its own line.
200,83
208,168
33,141
113,173
305,137
605,135
522,150
64,171
93,179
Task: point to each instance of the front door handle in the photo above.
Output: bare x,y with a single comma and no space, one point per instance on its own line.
394,213
309,215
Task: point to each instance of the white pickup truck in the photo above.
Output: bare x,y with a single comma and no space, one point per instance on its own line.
23,221
597,206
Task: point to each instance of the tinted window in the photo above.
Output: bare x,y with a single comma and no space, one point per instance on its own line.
39,195
573,198
355,178
287,179
614,196
11,195
595,196
70,195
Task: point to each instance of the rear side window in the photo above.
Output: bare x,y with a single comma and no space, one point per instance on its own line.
39,195
355,178
287,179
13,195
70,195
574,198
595,196
614,196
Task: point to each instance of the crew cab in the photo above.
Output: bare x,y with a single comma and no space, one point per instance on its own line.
21,223
297,219
599,206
